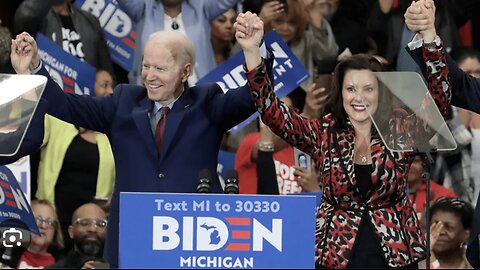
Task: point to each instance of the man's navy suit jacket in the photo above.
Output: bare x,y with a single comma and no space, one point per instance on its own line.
466,95
194,129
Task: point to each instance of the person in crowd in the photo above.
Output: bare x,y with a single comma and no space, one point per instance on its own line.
466,94
387,19
288,177
145,124
451,221
193,18
40,253
5,43
417,185
223,35
457,163
78,32
468,60
307,33
76,164
88,230
350,34
364,184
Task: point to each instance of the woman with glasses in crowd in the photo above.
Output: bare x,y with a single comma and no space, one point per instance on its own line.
40,252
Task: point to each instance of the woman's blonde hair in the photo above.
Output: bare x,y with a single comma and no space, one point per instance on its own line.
57,241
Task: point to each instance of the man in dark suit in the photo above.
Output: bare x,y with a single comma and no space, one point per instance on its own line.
195,122
420,18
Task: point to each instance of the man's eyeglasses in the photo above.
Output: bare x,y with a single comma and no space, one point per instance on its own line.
87,222
51,223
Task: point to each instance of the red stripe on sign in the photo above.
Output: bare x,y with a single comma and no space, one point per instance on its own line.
68,81
241,234
238,246
8,194
68,90
11,203
129,42
133,34
238,221
4,184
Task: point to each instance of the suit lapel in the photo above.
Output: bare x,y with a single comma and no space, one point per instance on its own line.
174,119
142,121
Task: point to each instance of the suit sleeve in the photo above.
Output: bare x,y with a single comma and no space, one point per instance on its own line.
135,9
94,113
298,131
215,8
465,88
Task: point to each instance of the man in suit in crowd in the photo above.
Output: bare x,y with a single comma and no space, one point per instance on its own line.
465,88
196,120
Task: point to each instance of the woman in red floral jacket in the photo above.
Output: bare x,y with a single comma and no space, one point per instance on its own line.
366,219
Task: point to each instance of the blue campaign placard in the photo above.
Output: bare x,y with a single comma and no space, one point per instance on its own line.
288,72
13,204
159,230
69,72
118,29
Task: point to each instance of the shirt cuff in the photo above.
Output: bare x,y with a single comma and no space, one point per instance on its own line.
416,43
263,50
37,69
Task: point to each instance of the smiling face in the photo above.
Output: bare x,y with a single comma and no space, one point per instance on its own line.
360,88
162,73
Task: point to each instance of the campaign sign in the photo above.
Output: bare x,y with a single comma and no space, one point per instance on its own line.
21,171
13,204
288,72
69,72
216,231
118,29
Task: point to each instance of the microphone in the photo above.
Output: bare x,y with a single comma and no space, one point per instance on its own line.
231,182
204,177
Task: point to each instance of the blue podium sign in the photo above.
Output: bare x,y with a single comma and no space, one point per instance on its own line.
159,230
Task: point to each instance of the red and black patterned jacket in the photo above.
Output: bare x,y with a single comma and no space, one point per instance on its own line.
342,211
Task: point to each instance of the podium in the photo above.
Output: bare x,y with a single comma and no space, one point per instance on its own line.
160,230
20,95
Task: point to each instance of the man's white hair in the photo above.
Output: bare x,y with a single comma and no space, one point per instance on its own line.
180,46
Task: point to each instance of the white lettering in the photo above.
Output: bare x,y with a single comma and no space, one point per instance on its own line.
274,236
216,262
165,235
20,200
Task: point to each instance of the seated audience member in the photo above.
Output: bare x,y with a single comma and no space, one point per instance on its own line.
450,229
76,164
88,231
41,251
417,185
